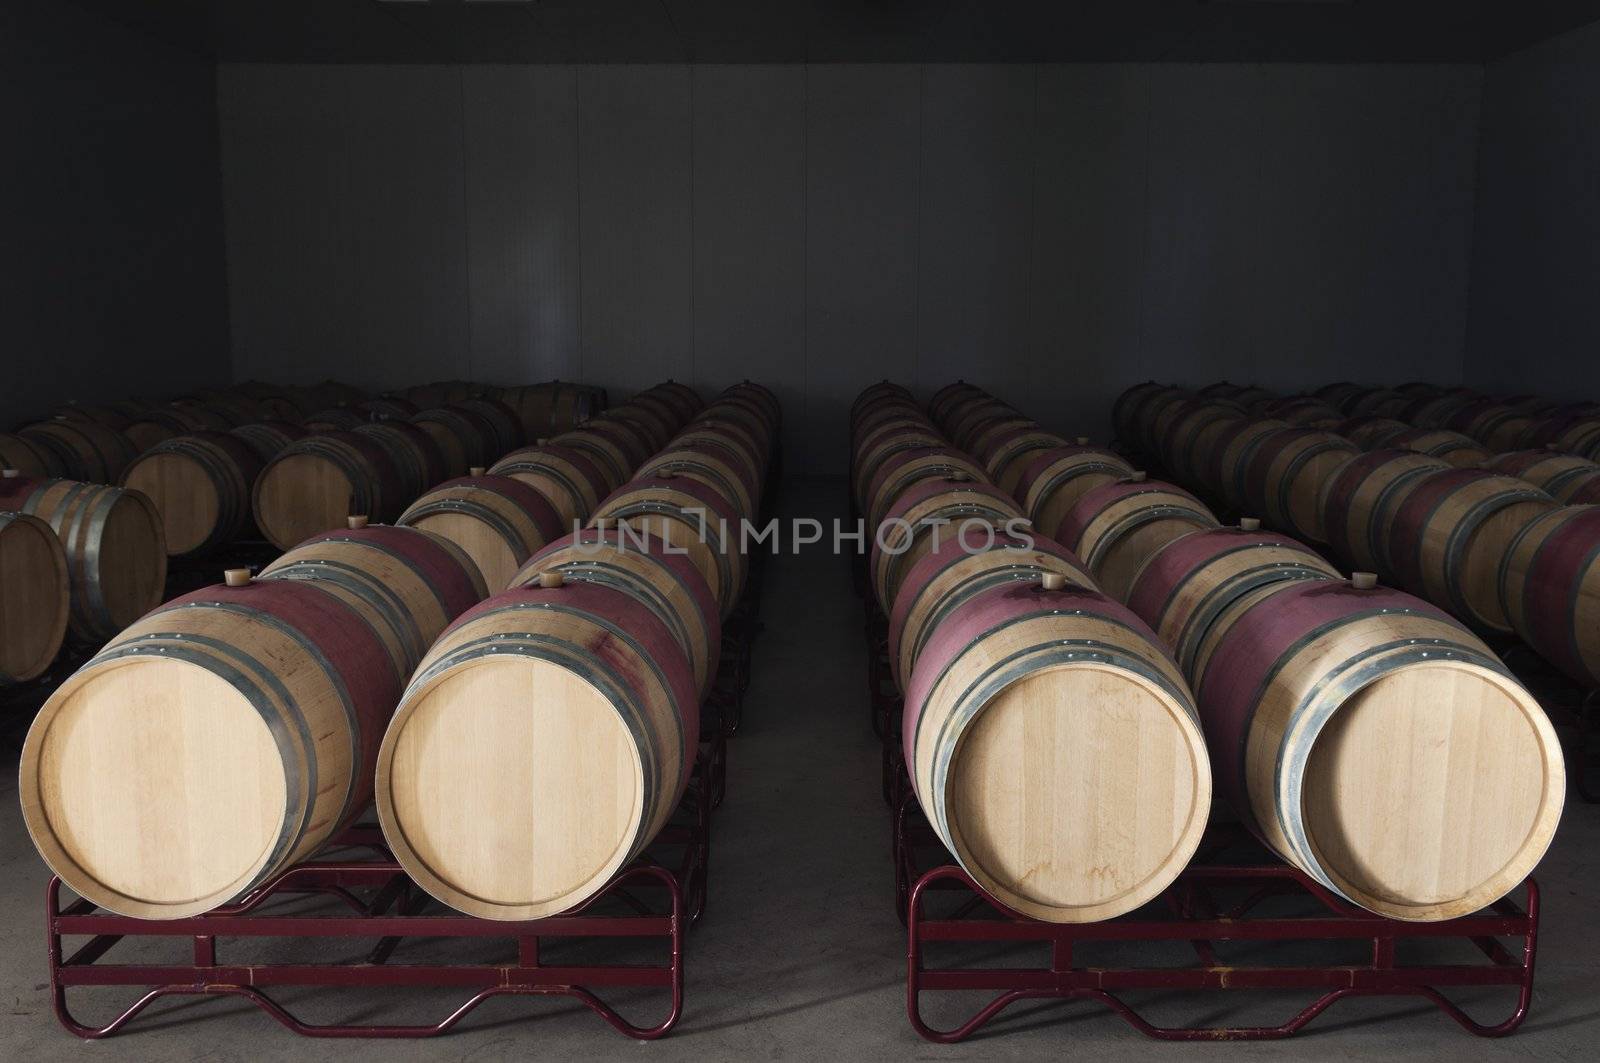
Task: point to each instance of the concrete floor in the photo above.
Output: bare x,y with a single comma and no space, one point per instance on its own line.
800,955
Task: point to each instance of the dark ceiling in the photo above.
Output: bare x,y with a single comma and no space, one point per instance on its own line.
753,31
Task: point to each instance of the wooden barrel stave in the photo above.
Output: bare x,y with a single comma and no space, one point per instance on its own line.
497,521
35,597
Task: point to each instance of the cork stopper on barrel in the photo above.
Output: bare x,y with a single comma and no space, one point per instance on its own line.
1250,524
10,474
1138,477
552,580
476,470
1053,581
540,442
1363,581
356,523
236,577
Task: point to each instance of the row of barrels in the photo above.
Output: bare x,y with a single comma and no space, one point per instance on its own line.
519,749
511,809
1505,542
96,442
1051,741
1354,727
121,492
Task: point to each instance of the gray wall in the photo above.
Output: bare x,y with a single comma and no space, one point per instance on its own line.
1536,258
1056,233
111,256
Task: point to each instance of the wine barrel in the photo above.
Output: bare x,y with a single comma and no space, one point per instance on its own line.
941,401
34,597
751,453
954,570
566,477
1358,503
1453,448
161,423
110,416
1450,534
637,564
268,438
338,419
1550,587
1375,744
1436,411
761,396
602,452
1566,477
888,389
315,483
200,484
221,739
499,522
466,439
1189,582
1132,408
881,446
1246,396
907,467
1495,424
1116,527
927,513
28,458
417,460
578,732
1054,480
1380,402
1008,456
1056,751
116,556
1284,478
650,418
276,403
88,451
387,408
1181,437
689,516
1306,413
1230,459
407,583
548,409
721,468
633,438
502,420
1373,433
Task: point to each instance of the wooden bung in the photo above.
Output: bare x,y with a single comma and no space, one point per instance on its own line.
355,523
552,580
1363,581
236,577
1053,581
1249,523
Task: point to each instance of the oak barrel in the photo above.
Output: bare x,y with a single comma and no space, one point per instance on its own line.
1377,745
1189,582
929,512
30,459
953,571
565,476
409,584
637,563
1550,587
498,521
515,784
316,483
87,451
116,554
34,597
1116,527
1359,500
1450,534
1568,478
200,484
1056,751
689,516
1285,475
222,738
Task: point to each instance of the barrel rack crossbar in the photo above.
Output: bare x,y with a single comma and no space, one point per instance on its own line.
1212,903
656,899
1223,898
